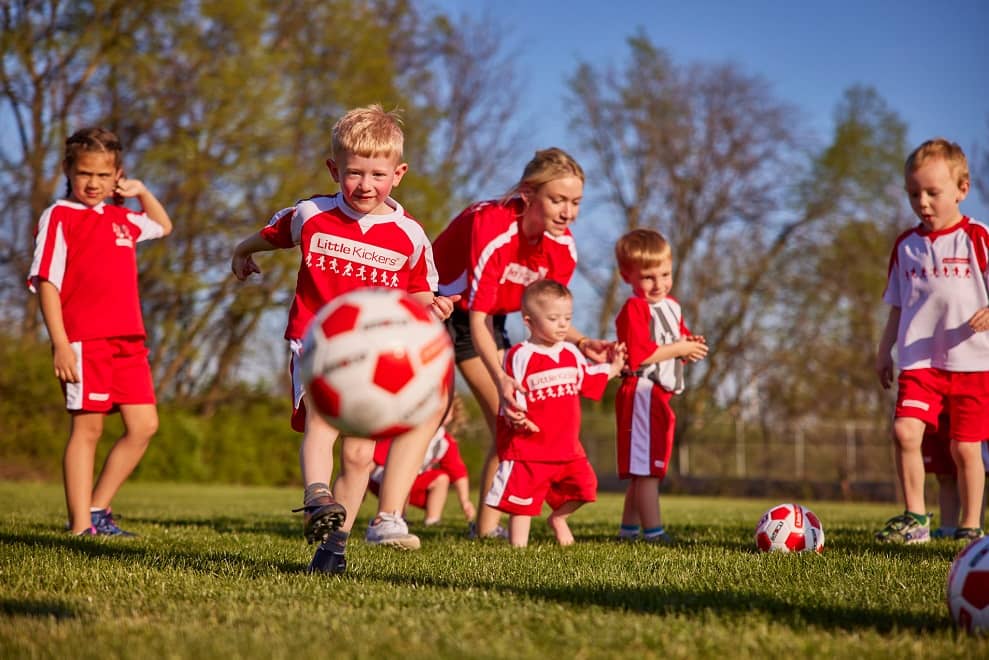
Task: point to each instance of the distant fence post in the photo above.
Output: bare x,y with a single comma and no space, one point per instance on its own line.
798,442
850,458
683,455
740,446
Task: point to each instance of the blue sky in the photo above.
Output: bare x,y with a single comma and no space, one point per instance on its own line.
930,64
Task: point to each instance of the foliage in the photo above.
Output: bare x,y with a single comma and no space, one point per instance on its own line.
218,572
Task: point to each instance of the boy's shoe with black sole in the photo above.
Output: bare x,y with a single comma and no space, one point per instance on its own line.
969,534
320,517
327,561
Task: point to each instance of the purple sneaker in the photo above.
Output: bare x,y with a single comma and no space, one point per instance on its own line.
105,525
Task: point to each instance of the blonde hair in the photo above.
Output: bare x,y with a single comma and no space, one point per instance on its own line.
367,132
545,166
946,150
641,248
541,289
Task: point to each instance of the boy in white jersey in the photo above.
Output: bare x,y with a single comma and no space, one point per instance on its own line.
540,455
334,232
938,289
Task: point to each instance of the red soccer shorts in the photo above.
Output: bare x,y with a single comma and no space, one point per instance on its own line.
645,428
420,487
521,487
964,395
936,449
112,372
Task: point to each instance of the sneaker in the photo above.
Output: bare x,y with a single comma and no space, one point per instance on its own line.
904,528
89,531
969,533
105,525
663,538
498,532
391,530
944,533
327,561
320,516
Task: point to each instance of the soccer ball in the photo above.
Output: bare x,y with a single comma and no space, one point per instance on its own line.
968,587
376,363
789,528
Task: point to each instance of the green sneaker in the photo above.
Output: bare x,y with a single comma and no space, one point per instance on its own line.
969,534
904,528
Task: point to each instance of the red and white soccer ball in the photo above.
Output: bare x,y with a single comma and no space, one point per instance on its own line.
789,528
376,363
968,588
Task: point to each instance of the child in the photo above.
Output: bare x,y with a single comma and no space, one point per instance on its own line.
937,289
442,468
85,274
651,326
541,457
936,450
355,238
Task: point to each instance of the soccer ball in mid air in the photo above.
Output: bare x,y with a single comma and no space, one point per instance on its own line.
376,363
968,587
789,528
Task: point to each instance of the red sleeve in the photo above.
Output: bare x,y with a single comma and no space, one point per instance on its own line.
632,326
488,254
278,231
451,462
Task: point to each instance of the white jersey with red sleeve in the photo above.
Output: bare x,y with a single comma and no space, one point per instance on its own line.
554,378
482,256
343,250
89,255
644,327
939,280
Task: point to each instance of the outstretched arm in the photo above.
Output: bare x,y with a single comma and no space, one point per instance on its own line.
242,264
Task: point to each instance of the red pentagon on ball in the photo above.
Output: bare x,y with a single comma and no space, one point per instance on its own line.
393,370
976,589
341,319
325,398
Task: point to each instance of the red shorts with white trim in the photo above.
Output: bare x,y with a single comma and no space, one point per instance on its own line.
645,428
936,449
420,487
521,487
298,419
112,372
964,395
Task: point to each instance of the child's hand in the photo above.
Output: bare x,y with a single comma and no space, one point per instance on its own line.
884,369
128,187
618,354
596,350
243,265
511,409
692,349
980,320
64,361
468,508
443,306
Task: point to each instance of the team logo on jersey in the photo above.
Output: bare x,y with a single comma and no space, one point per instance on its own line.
552,383
122,232
519,274
372,256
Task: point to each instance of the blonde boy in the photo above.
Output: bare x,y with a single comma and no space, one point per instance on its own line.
939,312
333,232
651,326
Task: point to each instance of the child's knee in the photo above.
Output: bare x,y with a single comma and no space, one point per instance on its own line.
357,456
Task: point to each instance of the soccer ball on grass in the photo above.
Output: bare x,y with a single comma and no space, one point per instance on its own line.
376,363
789,528
968,587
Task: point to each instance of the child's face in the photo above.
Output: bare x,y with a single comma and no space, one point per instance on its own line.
549,320
366,182
92,177
653,284
935,194
553,206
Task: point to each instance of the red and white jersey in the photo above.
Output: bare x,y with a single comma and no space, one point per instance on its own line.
554,378
343,250
483,256
89,255
939,280
443,453
644,327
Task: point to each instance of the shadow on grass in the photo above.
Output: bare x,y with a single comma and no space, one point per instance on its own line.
289,528
41,609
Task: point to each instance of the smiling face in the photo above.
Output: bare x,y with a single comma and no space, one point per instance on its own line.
92,177
653,284
548,319
935,194
551,207
367,181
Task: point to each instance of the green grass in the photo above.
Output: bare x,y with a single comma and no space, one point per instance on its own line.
218,572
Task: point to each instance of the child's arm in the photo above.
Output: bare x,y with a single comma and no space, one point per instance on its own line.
441,306
980,320
149,203
689,348
242,264
463,494
884,355
63,358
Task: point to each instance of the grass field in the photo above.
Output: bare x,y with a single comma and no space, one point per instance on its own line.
218,573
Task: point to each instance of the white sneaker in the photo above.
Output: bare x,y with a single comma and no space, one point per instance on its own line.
390,529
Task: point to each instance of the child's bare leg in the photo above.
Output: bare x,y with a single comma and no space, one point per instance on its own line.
436,494
557,521
909,434
647,501
630,512
948,502
518,530
486,394
77,467
140,424
971,480
356,464
403,463
316,450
